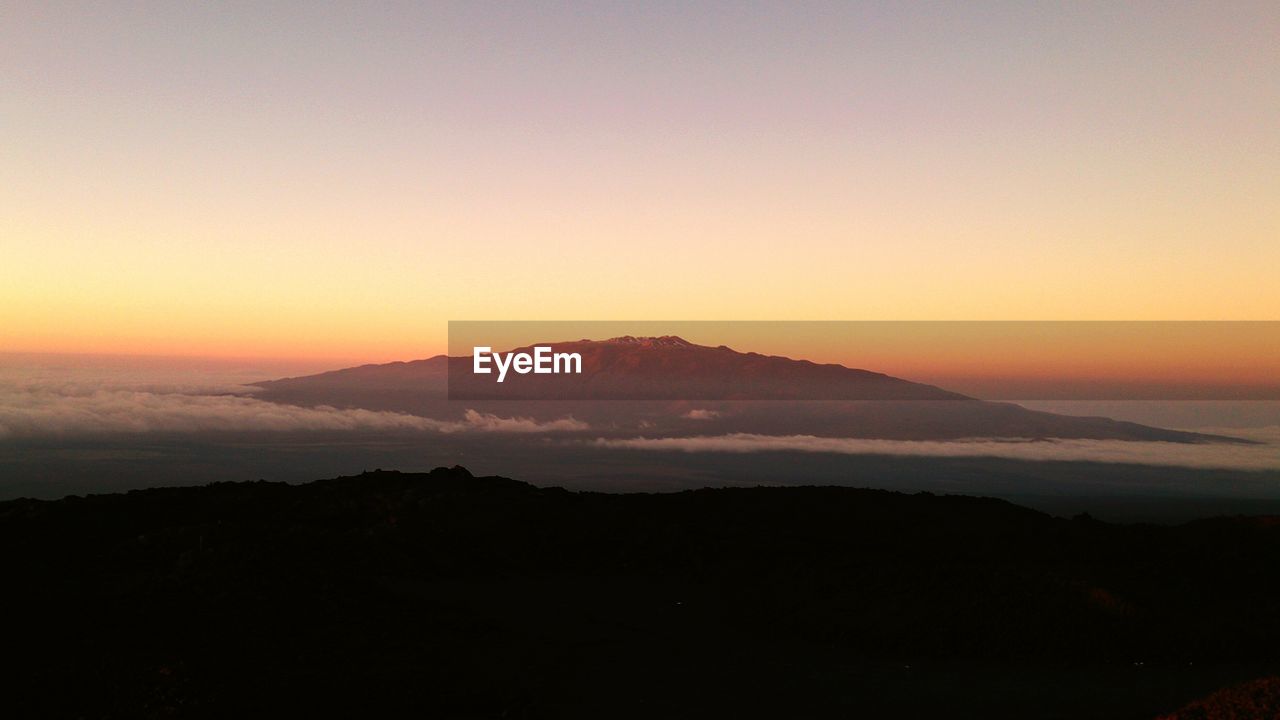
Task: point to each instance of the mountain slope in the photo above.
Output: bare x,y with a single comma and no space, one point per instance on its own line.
400,386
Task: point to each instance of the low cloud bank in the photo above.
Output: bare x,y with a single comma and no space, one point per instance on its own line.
473,420
1216,455
54,410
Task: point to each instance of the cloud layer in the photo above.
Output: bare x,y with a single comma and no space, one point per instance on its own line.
55,410
44,409
1225,456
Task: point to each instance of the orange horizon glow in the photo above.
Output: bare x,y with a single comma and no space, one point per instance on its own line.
1196,353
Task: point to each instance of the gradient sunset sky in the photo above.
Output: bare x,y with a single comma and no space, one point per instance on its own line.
341,179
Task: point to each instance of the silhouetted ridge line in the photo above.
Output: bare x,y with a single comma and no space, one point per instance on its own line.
448,594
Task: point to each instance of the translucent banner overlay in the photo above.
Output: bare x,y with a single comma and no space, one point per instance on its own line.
863,360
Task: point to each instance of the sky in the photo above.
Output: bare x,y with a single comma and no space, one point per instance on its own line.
339,180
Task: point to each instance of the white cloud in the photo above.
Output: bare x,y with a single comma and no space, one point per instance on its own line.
44,410
1205,455
474,420
701,414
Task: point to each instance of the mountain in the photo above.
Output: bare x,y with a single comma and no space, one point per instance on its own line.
672,368
667,386
622,368
445,595
414,386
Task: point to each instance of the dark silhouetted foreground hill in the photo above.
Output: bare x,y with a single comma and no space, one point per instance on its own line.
1248,701
446,595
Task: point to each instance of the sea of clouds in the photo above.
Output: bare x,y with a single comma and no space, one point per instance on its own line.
45,407
35,409
1262,456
